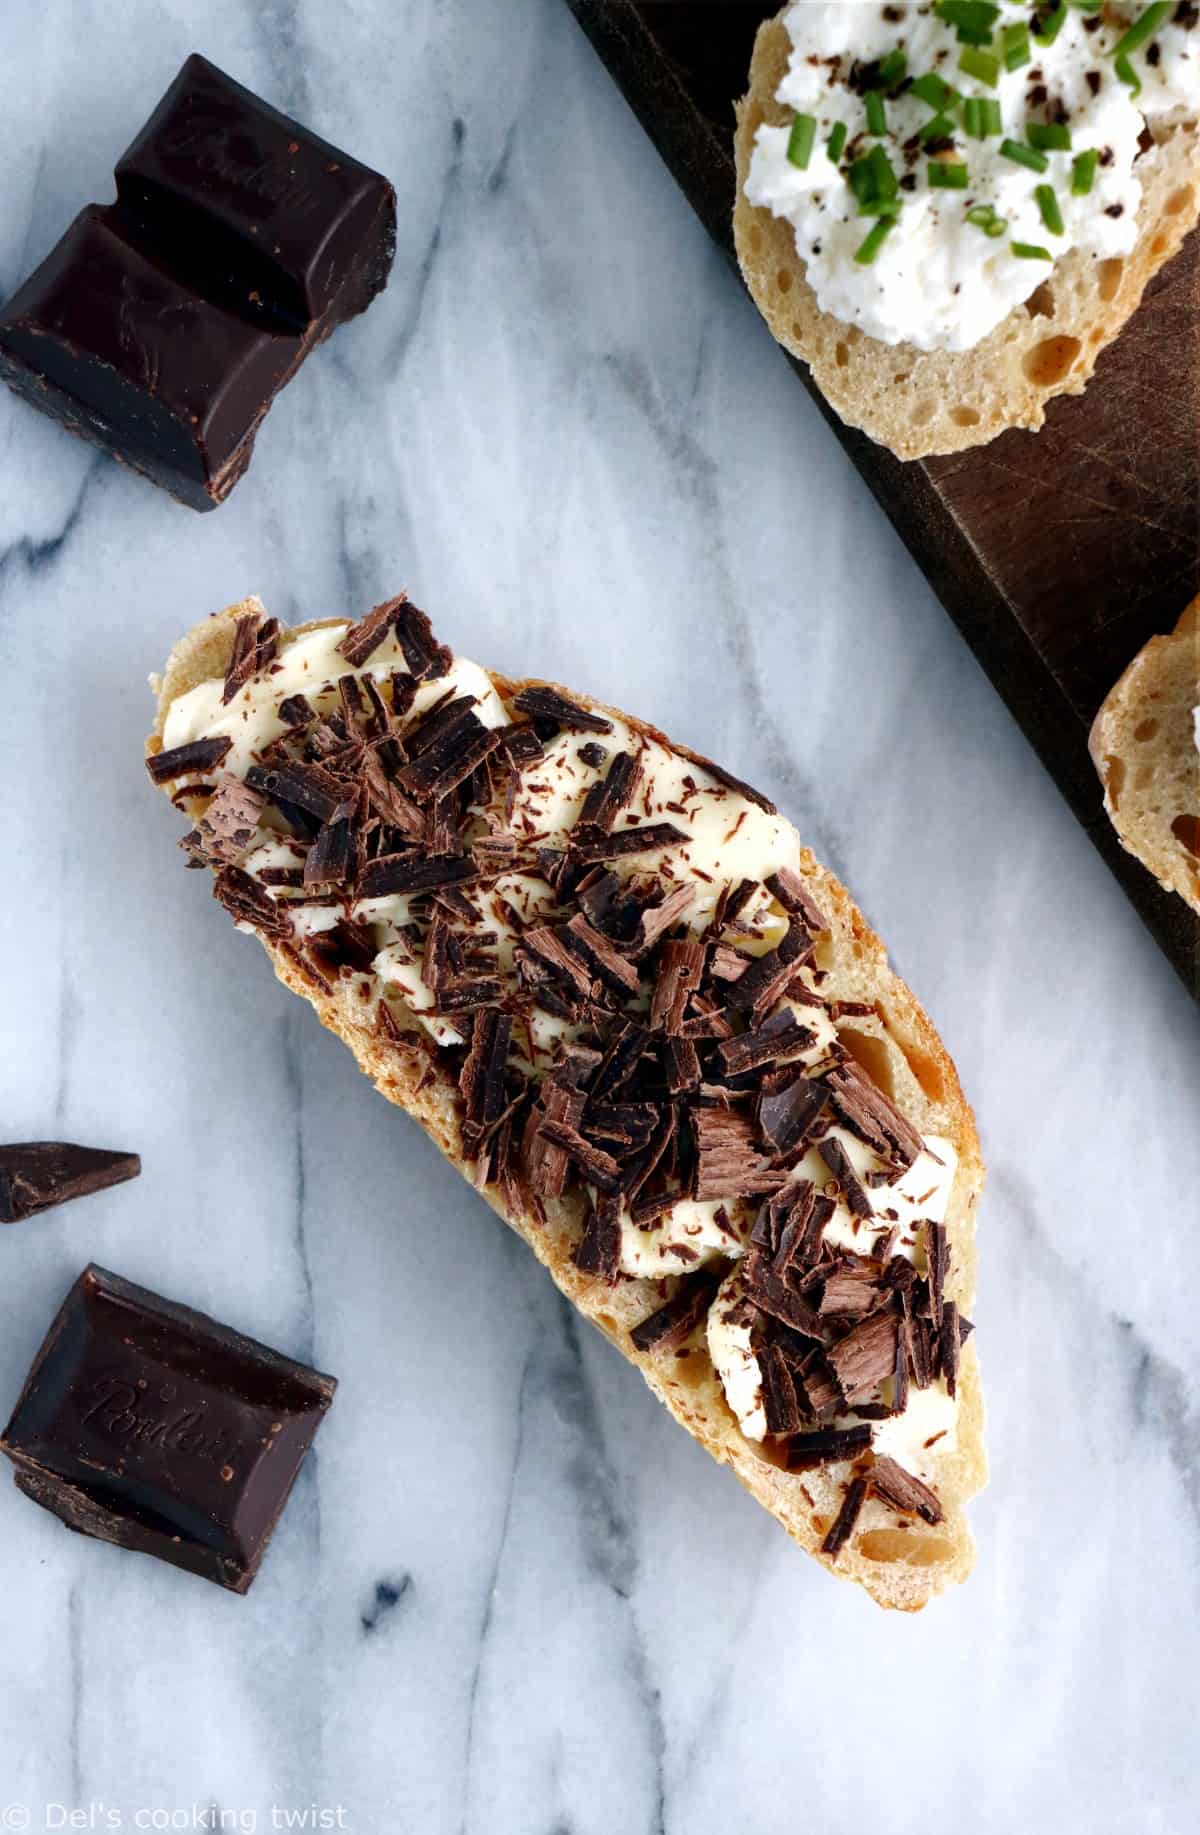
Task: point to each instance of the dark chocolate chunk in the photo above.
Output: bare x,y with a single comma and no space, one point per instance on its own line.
843,1524
673,1324
599,1248
546,704
36,1175
152,1427
199,755
904,1492
788,1117
827,1447
162,327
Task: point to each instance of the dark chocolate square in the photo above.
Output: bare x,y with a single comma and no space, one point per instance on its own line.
153,1427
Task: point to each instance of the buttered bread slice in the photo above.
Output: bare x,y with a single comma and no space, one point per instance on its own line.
658,1037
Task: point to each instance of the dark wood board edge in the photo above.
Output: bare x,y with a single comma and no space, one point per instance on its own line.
694,153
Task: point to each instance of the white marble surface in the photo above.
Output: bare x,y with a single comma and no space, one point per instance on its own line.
565,430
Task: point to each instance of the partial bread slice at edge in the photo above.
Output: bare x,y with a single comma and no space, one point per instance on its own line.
1143,745
919,403
901,1568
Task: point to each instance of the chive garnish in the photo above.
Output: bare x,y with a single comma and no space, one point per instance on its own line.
1049,136
1023,156
893,68
1029,251
1048,205
981,117
934,91
801,139
880,207
948,175
973,20
1016,46
982,65
886,184
874,242
1053,24
984,217
938,127
1083,172
876,112
1143,28
1128,74
836,143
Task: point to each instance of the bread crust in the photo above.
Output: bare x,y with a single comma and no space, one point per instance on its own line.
900,1037
1143,747
919,403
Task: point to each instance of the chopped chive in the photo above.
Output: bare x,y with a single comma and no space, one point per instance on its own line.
1023,156
876,112
893,69
1052,216
1083,172
981,117
885,182
980,64
1016,46
880,207
1029,251
1049,136
932,90
938,127
836,143
874,242
801,139
948,175
1127,73
1143,28
984,217
993,122
1053,24
973,20
861,180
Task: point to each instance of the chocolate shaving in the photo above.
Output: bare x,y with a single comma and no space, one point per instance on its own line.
788,1117
599,1248
781,1405
407,873
549,1167
904,1492
297,712
673,1324
681,1062
679,968
36,1175
600,954
330,858
313,788
838,1161
730,1164
866,1356
481,1080
828,1446
728,780
853,1290
427,659
844,1523
649,840
605,801
767,977
364,638
948,1346
598,1167
197,755
937,1252
655,920
230,822
255,644
248,903
794,896
546,704
780,1036
773,1296
869,1114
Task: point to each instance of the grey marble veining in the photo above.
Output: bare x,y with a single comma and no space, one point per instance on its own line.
509,1596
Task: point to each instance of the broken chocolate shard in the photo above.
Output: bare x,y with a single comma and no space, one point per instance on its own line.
673,1324
788,1117
364,638
546,704
864,1357
198,755
230,822
829,1446
904,1492
839,1163
410,874
792,893
152,1427
781,1405
847,1517
605,801
162,327
37,1175
599,1249
876,1120
249,903
651,839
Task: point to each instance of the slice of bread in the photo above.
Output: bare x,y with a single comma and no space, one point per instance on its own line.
1143,744
900,1561
923,402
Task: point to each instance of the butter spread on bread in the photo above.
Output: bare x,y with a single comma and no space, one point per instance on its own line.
621,979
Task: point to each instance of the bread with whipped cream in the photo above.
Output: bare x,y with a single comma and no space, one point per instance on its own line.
661,1041
1145,744
924,401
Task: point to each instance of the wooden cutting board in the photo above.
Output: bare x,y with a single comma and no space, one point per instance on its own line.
1057,554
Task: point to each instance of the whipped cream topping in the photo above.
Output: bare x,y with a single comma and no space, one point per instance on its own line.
940,279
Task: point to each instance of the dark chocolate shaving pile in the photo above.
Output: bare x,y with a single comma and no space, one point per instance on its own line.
684,1080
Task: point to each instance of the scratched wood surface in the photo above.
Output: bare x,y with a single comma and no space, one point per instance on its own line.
1057,554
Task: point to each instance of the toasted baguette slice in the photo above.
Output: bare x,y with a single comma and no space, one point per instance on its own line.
1143,744
900,1561
923,402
